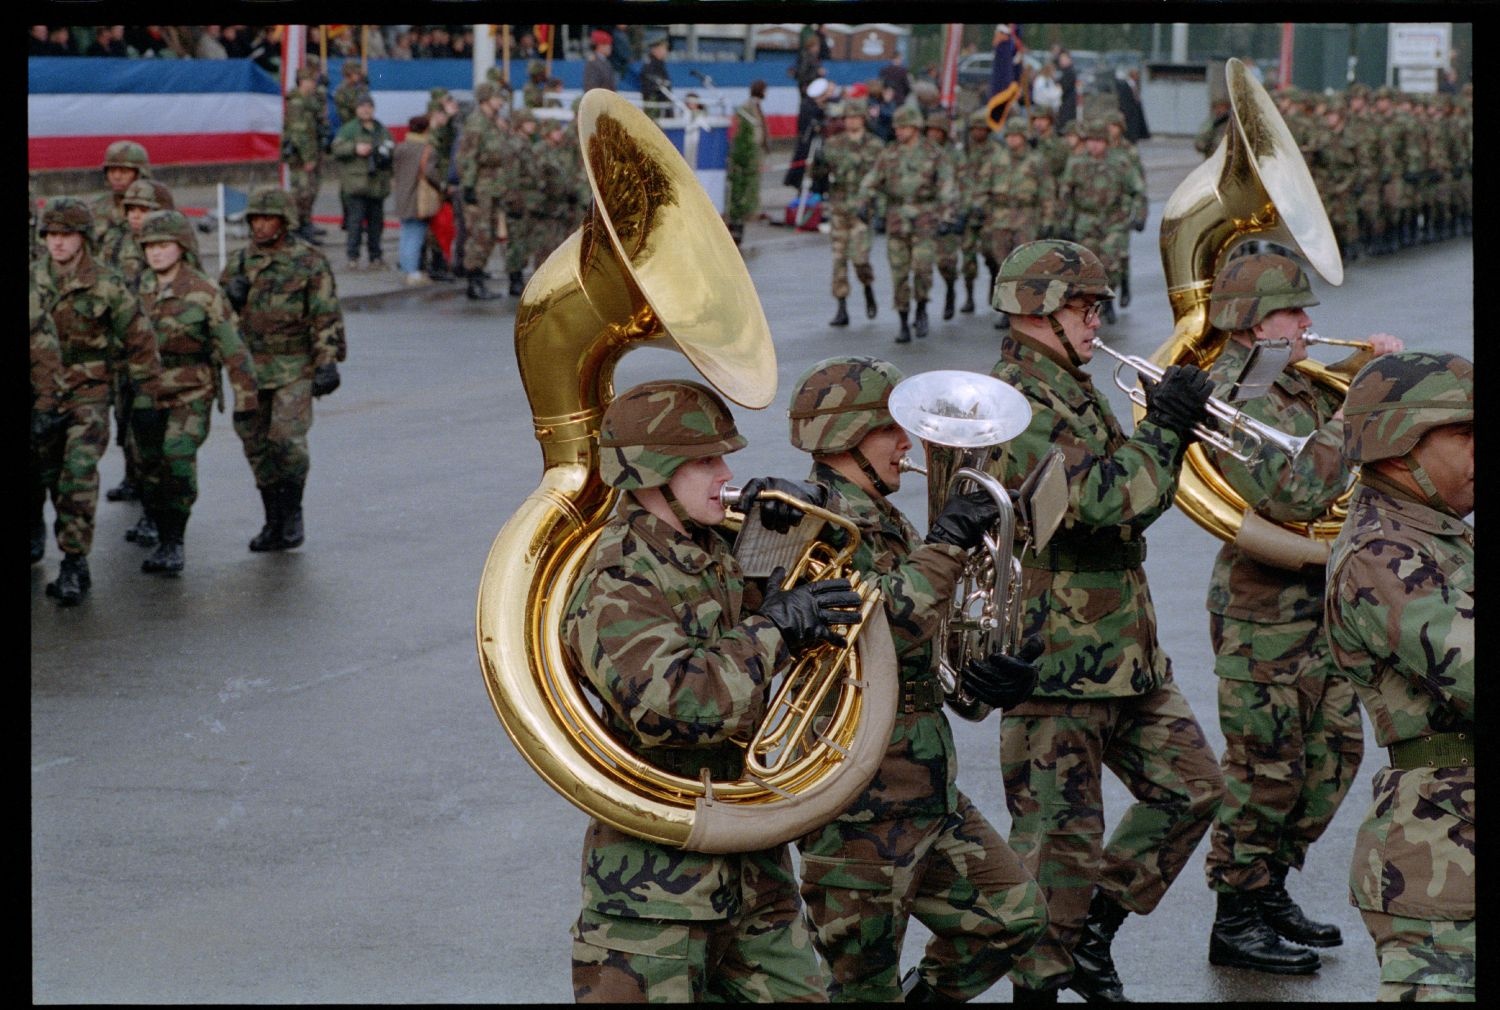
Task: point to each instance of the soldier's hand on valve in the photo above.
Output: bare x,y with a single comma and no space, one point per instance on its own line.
1180,400
804,614
1002,681
964,520
325,379
778,516
1384,343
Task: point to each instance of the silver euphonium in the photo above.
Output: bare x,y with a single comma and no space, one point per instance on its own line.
961,418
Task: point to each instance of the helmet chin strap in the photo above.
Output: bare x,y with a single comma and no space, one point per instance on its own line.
869,471
1434,499
1067,345
677,509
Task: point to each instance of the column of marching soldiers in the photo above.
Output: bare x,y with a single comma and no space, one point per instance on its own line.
1394,170
126,326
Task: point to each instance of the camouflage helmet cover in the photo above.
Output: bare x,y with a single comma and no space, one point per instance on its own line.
856,107
306,73
1398,398
1251,287
1038,278
907,115
126,154
140,193
651,429
839,401
979,117
522,115
486,90
270,201
1016,126
1094,129
65,214
536,68
168,226
937,119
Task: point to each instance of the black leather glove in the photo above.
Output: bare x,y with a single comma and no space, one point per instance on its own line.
947,228
1002,681
470,196
1139,224
44,423
288,151
863,214
238,291
963,224
150,426
779,517
1067,234
325,379
1179,401
964,520
1046,231
243,418
803,614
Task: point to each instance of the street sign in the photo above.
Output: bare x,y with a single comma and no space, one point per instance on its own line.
1420,45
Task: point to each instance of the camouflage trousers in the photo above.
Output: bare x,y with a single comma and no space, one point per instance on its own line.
304,183
67,469
911,250
1293,740
972,247
947,257
850,239
862,883
275,439
762,955
551,232
1052,755
123,393
525,242
1423,961
481,225
1108,239
171,471
1001,242
1395,197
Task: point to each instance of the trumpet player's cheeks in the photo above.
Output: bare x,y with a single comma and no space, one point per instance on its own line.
884,448
1285,324
698,485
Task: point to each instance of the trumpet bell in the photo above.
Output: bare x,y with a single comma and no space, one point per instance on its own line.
959,409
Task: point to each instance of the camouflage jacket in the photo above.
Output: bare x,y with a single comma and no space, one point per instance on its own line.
291,321
346,101
1101,193
973,178
657,626
1333,166
440,158
1280,489
1364,139
1055,153
46,354
523,178
1400,618
916,581
914,178
481,154
1098,625
100,329
1210,133
844,162
1020,193
559,179
358,175
195,334
301,130
120,250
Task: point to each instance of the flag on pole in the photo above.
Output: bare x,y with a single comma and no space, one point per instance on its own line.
543,36
1005,75
952,43
293,56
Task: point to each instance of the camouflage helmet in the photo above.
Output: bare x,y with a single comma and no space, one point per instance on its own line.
1038,278
167,226
269,201
650,430
907,115
536,68
1398,398
65,214
937,119
1016,126
126,154
1251,287
140,194
486,90
979,117
306,73
1073,129
522,115
841,400
1114,117
1094,129
856,107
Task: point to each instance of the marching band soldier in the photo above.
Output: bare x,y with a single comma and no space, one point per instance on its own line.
912,845
46,394
1021,199
1334,172
920,194
1400,614
482,148
302,133
973,205
937,128
1120,146
523,183
1101,199
1106,698
843,162
682,651
1046,141
1293,738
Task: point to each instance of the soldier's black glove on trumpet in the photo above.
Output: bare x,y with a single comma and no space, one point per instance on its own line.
964,520
803,613
1179,401
325,379
1002,681
778,517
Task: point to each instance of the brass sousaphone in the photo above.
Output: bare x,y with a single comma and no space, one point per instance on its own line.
652,266
1255,185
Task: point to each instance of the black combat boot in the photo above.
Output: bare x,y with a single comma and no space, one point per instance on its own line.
948,302
1109,311
914,989
38,539
968,305
1021,994
124,491
841,317
269,537
516,287
1125,285
291,513
72,583
1282,914
1094,976
737,232
870,306
168,556
478,290
1241,938
144,532
905,336
919,324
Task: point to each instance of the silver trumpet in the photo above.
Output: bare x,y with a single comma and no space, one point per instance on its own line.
1243,436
